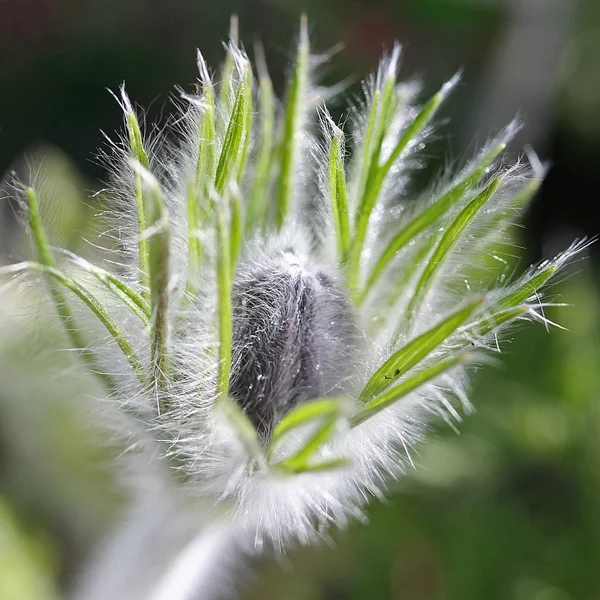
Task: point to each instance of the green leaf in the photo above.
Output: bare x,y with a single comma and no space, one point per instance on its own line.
224,299
406,387
158,236
416,350
385,111
339,196
499,317
445,245
498,221
99,311
511,306
245,430
200,187
207,151
375,182
116,286
292,121
414,129
322,434
136,146
527,289
430,215
233,140
257,208
37,231
364,160
226,88
195,250
247,127
314,410
325,465
236,229
489,244
63,309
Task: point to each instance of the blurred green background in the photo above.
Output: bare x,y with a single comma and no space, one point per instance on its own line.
507,509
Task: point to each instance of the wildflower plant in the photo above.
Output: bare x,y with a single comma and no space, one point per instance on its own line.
281,320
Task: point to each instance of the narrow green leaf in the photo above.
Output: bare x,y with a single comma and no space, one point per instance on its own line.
224,300
406,387
257,207
488,245
385,114
247,126
207,152
339,196
375,182
414,129
382,112
509,307
292,121
63,309
35,225
527,289
520,200
226,87
406,275
494,320
200,187
233,140
236,228
431,214
99,311
415,351
512,305
158,235
446,243
138,153
322,434
365,156
245,430
326,465
116,286
303,414
195,250
127,295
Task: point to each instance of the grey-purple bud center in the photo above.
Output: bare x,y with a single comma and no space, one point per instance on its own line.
294,337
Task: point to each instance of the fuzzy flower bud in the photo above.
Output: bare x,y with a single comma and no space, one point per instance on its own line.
283,322
294,336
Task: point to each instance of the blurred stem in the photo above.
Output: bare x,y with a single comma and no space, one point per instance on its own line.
206,568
